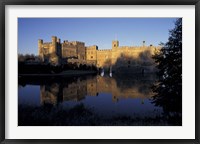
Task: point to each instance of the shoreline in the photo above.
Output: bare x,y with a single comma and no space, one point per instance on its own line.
64,73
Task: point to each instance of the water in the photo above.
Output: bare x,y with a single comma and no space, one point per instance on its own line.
89,100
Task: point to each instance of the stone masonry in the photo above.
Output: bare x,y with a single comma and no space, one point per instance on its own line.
137,58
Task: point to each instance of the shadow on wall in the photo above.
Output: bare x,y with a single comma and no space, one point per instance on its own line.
125,63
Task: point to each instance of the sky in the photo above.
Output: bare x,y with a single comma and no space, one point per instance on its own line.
93,31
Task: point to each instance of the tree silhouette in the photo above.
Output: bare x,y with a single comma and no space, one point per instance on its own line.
168,88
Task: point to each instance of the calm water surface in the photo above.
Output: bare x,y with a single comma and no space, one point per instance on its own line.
89,100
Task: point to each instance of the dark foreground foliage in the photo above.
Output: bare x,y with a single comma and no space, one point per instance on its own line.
169,87
49,115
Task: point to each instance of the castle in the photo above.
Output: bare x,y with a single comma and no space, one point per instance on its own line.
118,57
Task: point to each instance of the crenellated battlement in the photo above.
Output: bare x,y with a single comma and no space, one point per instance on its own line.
99,57
74,43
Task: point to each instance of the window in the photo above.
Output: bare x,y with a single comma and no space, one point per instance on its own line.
46,51
91,57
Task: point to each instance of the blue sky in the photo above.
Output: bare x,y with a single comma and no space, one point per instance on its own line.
93,31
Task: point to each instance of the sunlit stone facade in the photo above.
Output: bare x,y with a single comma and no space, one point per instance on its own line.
135,58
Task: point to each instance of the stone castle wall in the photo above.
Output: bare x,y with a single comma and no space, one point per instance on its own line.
119,57
50,51
73,49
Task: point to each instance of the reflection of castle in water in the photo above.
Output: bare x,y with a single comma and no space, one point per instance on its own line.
80,88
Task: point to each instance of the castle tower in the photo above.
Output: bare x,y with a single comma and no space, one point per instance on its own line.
58,41
40,47
54,44
115,44
143,43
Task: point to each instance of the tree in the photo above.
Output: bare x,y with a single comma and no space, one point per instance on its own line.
21,58
168,89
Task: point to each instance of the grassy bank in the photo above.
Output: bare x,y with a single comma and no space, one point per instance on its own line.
64,73
51,70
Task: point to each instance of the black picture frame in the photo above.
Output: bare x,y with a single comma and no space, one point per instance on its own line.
3,4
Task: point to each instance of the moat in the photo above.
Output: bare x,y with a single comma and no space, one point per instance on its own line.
101,100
